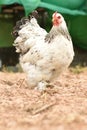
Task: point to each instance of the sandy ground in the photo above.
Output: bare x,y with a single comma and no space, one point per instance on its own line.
61,108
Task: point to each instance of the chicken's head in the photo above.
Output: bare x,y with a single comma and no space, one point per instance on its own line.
57,19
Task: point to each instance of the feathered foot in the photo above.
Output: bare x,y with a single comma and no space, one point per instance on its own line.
42,86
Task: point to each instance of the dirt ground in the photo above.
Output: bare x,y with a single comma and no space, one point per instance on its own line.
61,108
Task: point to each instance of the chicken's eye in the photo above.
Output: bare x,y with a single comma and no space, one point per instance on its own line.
59,17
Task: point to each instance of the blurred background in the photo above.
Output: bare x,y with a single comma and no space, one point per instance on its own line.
74,12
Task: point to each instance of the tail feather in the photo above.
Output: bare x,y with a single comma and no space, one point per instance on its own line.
18,26
21,22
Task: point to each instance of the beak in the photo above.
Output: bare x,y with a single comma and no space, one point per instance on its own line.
54,20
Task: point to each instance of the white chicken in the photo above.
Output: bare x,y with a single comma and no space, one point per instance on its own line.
43,56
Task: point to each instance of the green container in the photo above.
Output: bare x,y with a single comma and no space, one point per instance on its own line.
70,4
78,29
6,26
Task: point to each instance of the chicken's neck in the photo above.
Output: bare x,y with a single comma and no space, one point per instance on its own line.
56,31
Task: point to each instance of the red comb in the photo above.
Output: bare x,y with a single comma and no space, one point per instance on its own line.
54,14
